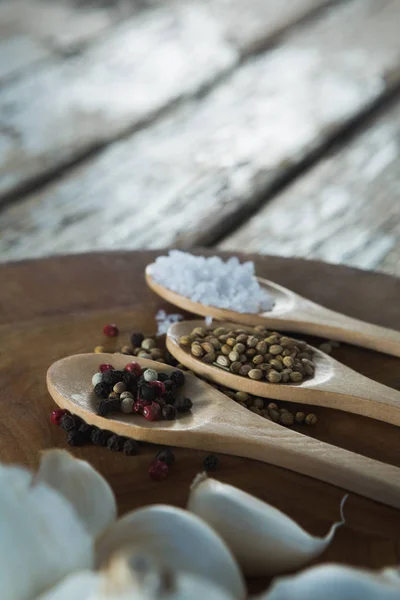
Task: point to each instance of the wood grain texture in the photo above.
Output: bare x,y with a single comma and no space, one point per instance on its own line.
146,62
31,30
252,25
217,424
333,385
292,312
57,307
193,174
345,210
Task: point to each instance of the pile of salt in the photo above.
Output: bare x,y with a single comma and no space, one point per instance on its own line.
212,281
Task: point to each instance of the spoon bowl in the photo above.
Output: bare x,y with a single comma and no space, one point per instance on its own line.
218,424
333,384
292,312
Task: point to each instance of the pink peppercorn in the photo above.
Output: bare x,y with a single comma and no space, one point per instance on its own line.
134,367
158,470
152,412
160,387
139,406
105,367
57,415
110,330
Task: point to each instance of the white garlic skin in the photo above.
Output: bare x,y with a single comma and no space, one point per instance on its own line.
263,540
84,488
41,538
135,575
334,582
83,585
179,541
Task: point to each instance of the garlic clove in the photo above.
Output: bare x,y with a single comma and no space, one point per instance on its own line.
178,541
137,575
85,585
82,486
41,538
263,540
334,582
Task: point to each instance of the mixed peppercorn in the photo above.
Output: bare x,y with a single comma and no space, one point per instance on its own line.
153,395
134,390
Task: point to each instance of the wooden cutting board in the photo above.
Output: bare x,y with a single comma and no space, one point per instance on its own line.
56,307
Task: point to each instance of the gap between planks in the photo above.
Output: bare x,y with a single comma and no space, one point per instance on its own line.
345,209
171,53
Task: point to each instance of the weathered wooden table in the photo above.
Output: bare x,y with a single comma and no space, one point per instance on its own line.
55,307
265,125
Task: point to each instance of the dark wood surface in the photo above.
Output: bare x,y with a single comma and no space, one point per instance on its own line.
58,306
198,115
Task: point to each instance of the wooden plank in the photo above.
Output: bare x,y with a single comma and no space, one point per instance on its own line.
64,24
345,210
147,62
187,178
252,24
31,30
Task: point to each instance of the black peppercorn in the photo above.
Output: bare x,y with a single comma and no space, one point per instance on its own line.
117,376
178,378
210,463
100,437
169,397
166,455
137,339
163,377
183,404
75,438
131,447
114,405
69,422
170,386
131,382
116,443
168,412
102,409
102,389
86,431
170,360
160,401
148,392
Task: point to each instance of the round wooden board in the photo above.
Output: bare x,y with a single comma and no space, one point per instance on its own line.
56,307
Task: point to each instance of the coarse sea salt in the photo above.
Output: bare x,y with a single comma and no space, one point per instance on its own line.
212,281
164,321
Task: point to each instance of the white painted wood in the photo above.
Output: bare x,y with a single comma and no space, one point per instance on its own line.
345,210
182,180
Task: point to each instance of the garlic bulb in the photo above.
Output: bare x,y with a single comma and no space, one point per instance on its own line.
41,538
178,541
82,486
85,585
335,582
264,540
139,576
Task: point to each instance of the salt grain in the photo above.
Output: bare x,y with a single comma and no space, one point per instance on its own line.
211,281
164,321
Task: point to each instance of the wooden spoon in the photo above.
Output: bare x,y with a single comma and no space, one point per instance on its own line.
217,424
333,385
294,313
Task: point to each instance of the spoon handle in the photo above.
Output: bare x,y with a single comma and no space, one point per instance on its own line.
352,392
323,322
274,444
